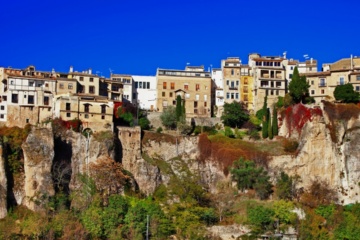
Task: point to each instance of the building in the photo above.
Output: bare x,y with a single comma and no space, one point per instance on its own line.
218,91
128,89
269,78
88,83
146,94
193,84
323,84
231,75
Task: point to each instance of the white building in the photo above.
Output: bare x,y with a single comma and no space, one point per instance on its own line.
217,77
145,91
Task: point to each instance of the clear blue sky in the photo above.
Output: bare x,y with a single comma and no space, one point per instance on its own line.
136,37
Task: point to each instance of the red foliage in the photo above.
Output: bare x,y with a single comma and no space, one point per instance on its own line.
204,147
296,116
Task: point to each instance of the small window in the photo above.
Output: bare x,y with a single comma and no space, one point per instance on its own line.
31,100
86,115
46,85
68,107
103,109
205,104
357,88
358,78
2,107
70,86
312,92
14,98
102,116
186,86
172,85
197,87
148,85
163,94
27,120
171,94
61,86
68,115
195,104
91,79
232,71
322,91
81,78
2,116
164,85
46,101
91,89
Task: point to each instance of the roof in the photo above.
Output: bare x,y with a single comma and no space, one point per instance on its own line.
316,74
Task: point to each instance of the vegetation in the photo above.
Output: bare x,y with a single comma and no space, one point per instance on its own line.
345,93
126,116
235,114
168,117
275,129
265,122
298,87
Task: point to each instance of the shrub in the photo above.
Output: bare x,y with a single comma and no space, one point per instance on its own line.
290,146
159,130
229,132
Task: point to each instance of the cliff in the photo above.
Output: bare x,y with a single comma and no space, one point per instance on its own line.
3,186
328,151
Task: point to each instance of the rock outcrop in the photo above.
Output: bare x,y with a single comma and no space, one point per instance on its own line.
3,186
327,154
38,158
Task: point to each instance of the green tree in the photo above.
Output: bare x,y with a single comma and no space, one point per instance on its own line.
265,130
260,218
125,116
114,214
179,108
235,114
275,129
168,117
298,87
346,93
270,129
284,186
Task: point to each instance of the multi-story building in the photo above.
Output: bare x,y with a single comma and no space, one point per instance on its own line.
231,75
193,84
146,94
128,89
323,84
88,83
269,79
247,87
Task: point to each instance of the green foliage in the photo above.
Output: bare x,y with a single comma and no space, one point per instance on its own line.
280,102
228,132
346,93
248,176
168,117
179,108
275,128
159,130
326,211
284,186
235,114
255,120
114,214
270,128
205,129
283,211
125,116
349,227
265,122
144,123
288,100
298,87
260,218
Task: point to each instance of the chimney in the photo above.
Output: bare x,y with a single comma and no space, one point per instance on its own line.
90,71
53,71
311,60
71,69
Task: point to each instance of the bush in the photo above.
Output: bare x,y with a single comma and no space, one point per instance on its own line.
290,146
228,132
159,130
144,123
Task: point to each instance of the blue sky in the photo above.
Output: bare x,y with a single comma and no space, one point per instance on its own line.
137,37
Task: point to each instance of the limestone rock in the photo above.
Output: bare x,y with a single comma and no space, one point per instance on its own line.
3,186
38,156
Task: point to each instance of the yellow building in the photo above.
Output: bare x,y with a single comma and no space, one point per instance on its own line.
247,88
193,84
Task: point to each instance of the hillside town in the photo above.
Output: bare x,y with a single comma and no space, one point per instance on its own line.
31,96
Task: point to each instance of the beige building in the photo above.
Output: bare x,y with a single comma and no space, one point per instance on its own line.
193,84
231,77
88,83
128,90
323,84
269,79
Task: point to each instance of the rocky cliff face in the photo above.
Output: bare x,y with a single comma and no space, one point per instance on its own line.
38,157
329,154
3,186
174,151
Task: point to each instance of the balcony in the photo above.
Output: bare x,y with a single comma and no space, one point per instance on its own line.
322,84
233,88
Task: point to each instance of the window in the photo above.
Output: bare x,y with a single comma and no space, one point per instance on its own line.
148,85
245,97
232,71
197,87
341,81
68,108
31,99
68,115
164,85
186,86
163,94
291,68
27,120
237,83
103,108
227,82
134,96
46,85
70,86
91,79
170,94
2,107
46,100
322,82
136,84
11,82
14,98
312,82
246,80
195,104
174,102
61,86
358,78
290,76
5,98
2,116
195,111
31,83
86,108
322,91
237,95
140,84
91,89
102,117
312,92
81,78
357,88
205,104
187,95
197,97
232,95
227,95
86,115
205,97
172,85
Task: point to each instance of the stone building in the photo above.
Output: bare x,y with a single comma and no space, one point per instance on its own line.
193,84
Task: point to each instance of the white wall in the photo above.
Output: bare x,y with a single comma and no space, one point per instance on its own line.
146,95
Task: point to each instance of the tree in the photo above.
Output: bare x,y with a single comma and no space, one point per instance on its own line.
235,114
260,218
168,117
179,108
284,186
275,129
265,130
270,129
298,87
126,117
346,93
